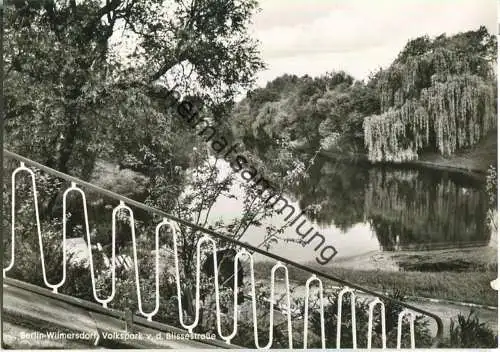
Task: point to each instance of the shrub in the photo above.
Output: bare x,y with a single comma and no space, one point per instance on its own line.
492,186
468,332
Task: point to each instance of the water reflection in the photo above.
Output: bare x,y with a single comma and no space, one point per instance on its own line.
408,209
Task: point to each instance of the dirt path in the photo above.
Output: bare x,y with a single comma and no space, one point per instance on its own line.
30,312
447,311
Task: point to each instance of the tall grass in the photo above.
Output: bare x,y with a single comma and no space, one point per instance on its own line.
467,286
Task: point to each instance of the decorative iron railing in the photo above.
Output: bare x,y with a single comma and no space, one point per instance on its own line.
245,250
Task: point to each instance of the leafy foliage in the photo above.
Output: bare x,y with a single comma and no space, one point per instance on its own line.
73,98
492,186
303,111
468,332
439,96
492,191
436,96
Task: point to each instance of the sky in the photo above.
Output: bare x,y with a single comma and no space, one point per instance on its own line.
358,36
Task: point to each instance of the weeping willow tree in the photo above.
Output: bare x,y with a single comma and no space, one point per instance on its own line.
438,95
397,134
461,109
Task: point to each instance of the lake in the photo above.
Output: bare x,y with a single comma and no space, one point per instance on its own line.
374,215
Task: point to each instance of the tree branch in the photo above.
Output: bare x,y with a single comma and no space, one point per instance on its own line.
164,69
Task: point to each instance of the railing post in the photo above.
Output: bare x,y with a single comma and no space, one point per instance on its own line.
23,167
205,238
288,299
353,315
229,337
371,307
149,316
306,311
129,320
401,315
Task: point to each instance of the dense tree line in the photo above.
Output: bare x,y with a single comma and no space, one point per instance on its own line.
305,112
438,95
72,97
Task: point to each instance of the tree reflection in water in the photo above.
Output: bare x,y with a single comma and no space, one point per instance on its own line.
408,209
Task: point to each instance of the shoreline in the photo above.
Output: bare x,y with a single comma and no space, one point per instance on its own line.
476,174
473,163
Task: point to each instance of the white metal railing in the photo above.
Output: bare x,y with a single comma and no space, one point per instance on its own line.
371,307
353,315
412,327
173,225
321,311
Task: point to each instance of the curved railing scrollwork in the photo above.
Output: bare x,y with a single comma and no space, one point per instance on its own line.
172,223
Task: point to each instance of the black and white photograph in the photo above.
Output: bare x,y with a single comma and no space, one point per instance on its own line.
249,174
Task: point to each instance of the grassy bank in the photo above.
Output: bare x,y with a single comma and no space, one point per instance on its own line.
473,161
477,159
466,286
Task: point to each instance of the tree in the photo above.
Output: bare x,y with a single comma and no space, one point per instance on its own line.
72,98
439,95
492,191
205,186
